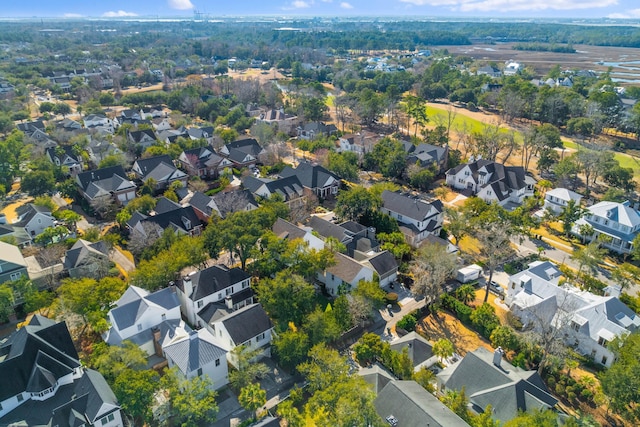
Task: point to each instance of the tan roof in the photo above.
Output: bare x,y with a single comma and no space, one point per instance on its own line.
12,254
345,268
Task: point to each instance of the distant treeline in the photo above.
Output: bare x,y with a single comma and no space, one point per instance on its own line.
544,47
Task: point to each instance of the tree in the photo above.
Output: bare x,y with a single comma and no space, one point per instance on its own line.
466,293
589,256
353,204
247,370
484,319
38,182
535,418
112,360
192,402
570,213
496,248
505,337
62,108
6,302
458,402
431,267
425,377
443,348
394,243
252,397
321,326
621,382
291,347
345,165
458,224
325,367
135,391
388,157
287,298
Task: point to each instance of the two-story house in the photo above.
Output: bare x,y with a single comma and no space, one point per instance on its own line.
555,200
99,122
417,219
106,183
619,221
587,322
12,263
428,155
145,138
44,383
64,157
492,181
315,178
289,188
242,152
34,219
161,170
202,162
218,286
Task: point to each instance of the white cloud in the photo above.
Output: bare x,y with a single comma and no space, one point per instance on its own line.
118,14
300,4
346,5
72,15
180,4
629,14
513,5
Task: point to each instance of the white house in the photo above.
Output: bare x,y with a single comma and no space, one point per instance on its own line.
249,327
99,122
286,230
491,181
217,286
587,321
138,313
619,221
417,219
196,354
34,219
556,199
345,273
512,68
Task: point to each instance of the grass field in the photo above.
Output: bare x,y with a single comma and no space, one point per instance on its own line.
625,160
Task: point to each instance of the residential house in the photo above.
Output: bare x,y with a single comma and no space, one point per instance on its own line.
196,354
385,266
489,380
181,219
16,235
417,219
587,321
214,287
491,181
111,182
161,123
144,138
204,132
99,148
512,68
284,122
315,130
222,203
40,139
289,188
242,153
202,162
359,143
68,125
28,128
490,71
315,178
408,404
418,348
345,274
286,230
619,221
87,259
557,199
360,241
153,112
34,219
63,156
44,383
12,263
100,122
248,326
136,315
161,170
427,155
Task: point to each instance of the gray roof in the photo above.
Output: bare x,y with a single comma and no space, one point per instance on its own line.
508,389
513,177
289,188
286,230
109,179
311,176
383,263
165,205
419,348
377,376
202,203
413,406
194,351
81,250
410,207
246,323
619,212
213,279
135,302
345,268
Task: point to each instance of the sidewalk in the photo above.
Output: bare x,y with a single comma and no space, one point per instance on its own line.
406,304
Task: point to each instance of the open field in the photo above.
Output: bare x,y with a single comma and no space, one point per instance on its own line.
597,58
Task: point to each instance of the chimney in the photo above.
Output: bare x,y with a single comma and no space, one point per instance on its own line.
156,341
497,356
229,302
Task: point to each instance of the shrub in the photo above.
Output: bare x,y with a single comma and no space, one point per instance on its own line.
391,298
408,322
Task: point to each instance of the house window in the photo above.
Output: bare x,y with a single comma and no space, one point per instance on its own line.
15,276
260,337
604,360
200,303
245,284
602,341
489,193
460,181
163,317
400,217
229,291
217,362
575,326
333,277
139,327
199,372
219,295
20,397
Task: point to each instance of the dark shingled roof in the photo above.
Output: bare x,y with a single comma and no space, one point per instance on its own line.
311,176
85,178
413,406
410,207
286,230
213,279
246,323
181,219
383,263
419,349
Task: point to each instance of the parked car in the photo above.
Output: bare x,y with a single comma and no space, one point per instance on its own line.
496,288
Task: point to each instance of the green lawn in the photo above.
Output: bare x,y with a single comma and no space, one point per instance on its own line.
625,160
439,115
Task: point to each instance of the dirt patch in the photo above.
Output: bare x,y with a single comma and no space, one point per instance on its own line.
446,326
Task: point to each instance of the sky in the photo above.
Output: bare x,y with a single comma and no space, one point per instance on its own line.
571,9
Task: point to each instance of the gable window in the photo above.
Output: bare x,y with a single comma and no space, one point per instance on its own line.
245,284
200,303
199,373
217,362
163,317
260,337
400,217
229,291
603,342
15,276
460,180
489,193
575,326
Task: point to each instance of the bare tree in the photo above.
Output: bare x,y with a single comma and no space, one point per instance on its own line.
103,206
144,236
496,248
431,267
232,201
447,120
48,257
